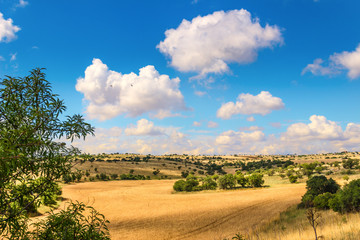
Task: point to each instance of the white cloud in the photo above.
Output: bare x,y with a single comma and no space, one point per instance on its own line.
317,136
13,57
105,140
349,61
22,3
318,128
2,58
144,128
111,93
238,138
263,103
7,29
196,124
316,68
208,44
252,128
250,119
212,124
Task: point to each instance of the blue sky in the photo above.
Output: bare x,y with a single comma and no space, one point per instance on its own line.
217,77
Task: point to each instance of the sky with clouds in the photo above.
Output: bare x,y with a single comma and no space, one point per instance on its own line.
196,77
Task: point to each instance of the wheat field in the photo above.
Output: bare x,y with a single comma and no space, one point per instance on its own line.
150,209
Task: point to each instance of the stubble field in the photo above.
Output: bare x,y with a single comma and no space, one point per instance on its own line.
150,210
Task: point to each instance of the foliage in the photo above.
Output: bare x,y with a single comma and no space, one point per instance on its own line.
227,181
72,223
350,163
347,199
293,179
241,179
265,164
318,185
256,180
191,184
30,123
322,201
208,183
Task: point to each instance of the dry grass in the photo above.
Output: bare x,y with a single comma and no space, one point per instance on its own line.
149,209
293,225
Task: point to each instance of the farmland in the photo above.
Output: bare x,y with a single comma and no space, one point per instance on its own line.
149,209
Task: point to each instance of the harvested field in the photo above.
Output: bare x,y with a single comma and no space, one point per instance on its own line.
149,209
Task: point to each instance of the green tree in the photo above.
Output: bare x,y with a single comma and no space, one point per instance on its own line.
31,123
347,199
256,180
227,181
241,179
208,183
350,163
318,185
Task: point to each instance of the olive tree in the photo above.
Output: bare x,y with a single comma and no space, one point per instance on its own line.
31,124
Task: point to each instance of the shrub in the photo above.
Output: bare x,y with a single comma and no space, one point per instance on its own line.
191,184
347,199
208,183
315,186
241,179
293,179
103,176
114,176
350,163
256,180
179,186
227,181
322,201
72,223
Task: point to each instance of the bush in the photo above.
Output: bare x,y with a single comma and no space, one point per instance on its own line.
322,201
256,180
293,179
103,176
227,181
191,184
350,163
241,179
72,224
114,176
179,186
318,185
208,183
347,199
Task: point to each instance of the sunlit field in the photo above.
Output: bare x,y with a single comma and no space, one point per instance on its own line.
150,209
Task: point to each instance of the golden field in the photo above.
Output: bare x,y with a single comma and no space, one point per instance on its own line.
150,210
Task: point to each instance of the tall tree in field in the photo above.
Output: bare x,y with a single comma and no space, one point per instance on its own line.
31,157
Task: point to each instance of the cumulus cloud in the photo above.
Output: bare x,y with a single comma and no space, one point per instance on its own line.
144,127
349,61
111,93
233,137
7,29
263,103
208,44
317,136
317,68
318,128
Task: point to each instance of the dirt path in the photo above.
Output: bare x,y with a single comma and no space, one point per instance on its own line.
149,210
